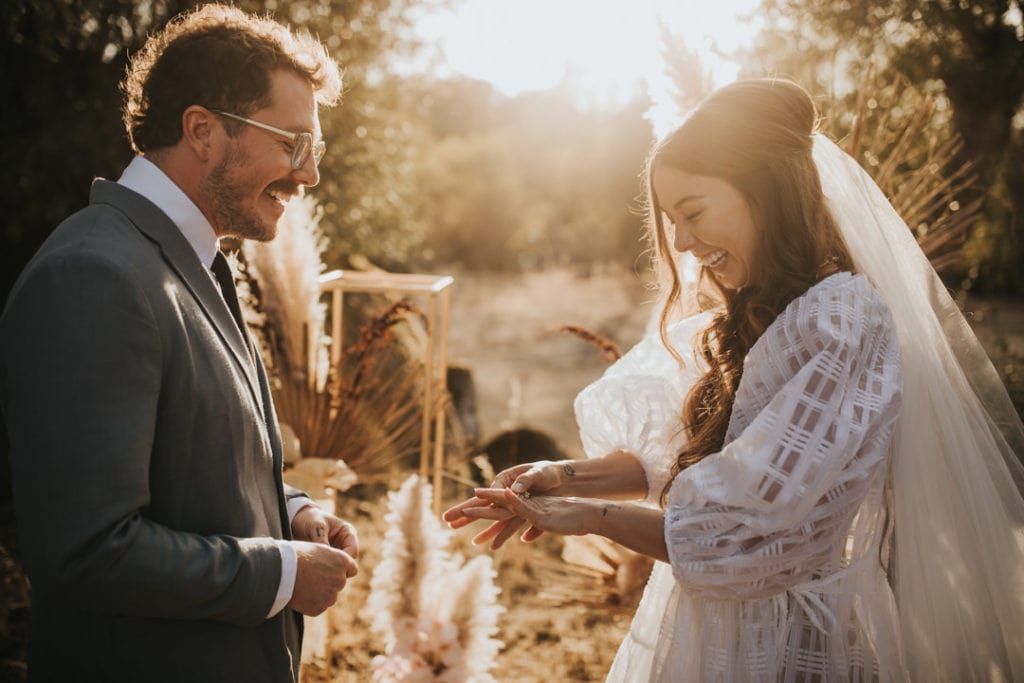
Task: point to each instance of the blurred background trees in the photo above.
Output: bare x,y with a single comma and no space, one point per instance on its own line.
967,54
424,172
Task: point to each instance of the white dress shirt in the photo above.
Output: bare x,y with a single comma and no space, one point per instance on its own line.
144,177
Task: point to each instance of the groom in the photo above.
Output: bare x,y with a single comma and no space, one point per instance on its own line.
157,533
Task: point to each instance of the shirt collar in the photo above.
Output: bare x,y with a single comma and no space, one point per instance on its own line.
144,177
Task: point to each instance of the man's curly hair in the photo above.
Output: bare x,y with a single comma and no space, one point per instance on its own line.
221,58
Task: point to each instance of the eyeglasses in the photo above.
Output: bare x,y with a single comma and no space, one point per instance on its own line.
302,143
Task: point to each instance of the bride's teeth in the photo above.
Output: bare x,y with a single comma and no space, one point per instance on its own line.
714,259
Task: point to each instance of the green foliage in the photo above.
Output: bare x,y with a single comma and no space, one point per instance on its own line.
366,177
60,105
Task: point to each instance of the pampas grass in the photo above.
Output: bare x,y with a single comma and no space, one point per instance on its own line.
437,614
288,271
367,410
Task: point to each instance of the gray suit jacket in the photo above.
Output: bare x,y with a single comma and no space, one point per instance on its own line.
146,460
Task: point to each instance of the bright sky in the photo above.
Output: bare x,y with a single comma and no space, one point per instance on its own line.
604,46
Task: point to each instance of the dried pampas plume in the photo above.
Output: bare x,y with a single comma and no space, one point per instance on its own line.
437,614
288,271
412,558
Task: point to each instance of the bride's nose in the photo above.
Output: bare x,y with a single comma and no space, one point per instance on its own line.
684,239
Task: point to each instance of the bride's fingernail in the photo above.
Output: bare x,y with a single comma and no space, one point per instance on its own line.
518,487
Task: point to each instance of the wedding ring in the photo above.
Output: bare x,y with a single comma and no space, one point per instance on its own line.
525,495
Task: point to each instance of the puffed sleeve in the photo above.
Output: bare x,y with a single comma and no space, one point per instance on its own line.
637,404
772,507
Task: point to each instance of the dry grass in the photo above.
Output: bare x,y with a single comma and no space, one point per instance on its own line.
542,641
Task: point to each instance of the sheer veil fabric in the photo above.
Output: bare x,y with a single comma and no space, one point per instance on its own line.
958,513
950,488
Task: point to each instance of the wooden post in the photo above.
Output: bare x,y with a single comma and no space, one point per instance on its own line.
435,362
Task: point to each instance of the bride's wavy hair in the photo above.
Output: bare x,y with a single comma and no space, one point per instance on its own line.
757,136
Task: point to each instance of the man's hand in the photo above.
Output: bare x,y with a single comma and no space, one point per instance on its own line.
321,573
314,525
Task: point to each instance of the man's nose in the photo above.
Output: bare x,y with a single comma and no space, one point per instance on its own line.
308,174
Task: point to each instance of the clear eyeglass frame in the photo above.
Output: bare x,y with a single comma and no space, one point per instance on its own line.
302,143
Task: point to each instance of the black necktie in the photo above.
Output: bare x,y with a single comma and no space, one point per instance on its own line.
222,270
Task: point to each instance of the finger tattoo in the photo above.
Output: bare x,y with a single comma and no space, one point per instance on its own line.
569,471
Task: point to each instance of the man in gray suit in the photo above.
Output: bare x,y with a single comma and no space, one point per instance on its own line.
158,535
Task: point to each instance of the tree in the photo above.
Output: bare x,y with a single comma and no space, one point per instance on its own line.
971,52
61,109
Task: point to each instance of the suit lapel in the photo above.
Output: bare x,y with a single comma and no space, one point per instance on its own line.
182,258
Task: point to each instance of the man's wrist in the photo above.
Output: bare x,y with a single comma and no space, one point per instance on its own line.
286,585
296,504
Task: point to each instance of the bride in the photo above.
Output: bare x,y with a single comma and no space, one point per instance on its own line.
828,457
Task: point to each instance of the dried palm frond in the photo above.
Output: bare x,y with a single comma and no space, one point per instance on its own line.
367,416
609,350
893,136
596,572
367,410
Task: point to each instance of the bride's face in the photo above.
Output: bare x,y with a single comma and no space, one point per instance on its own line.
713,221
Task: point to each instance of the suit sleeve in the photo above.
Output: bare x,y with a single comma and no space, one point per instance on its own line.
80,380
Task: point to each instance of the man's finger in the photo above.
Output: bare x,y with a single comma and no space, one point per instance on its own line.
351,567
344,537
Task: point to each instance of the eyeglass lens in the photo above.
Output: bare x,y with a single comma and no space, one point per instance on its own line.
302,145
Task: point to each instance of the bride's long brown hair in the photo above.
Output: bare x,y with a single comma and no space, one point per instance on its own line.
756,135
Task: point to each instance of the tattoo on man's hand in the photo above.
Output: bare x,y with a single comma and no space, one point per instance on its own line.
569,471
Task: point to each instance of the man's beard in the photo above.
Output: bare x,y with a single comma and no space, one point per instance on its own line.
225,195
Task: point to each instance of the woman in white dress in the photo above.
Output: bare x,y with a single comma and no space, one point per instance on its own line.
827,456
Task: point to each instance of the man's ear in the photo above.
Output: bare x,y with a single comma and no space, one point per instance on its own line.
201,132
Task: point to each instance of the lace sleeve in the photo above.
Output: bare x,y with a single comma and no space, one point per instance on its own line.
777,501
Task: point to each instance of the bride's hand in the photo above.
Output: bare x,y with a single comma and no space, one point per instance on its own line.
566,516
537,477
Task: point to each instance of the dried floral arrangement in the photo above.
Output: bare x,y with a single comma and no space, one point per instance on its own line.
360,410
437,612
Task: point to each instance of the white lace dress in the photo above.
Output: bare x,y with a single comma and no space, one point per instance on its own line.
776,568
